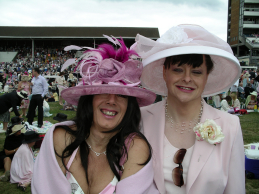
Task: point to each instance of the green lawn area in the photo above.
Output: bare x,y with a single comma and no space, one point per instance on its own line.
249,123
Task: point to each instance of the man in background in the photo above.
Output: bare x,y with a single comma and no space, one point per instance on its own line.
39,90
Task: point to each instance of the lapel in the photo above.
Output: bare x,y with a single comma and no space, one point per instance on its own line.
154,125
202,150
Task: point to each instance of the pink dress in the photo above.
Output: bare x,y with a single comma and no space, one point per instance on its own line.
27,89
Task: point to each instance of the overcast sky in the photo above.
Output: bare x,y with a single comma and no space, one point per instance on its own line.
210,14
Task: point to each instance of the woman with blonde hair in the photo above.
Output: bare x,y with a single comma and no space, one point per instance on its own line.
235,101
24,84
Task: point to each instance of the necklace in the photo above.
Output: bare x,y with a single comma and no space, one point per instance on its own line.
183,125
96,153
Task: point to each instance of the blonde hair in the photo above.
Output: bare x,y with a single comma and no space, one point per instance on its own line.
233,96
25,78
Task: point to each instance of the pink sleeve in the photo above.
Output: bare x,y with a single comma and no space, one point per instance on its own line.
47,175
139,183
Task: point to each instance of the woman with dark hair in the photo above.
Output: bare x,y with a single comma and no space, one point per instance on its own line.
196,148
102,150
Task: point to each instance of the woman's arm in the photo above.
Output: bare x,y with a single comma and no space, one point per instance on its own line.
20,86
138,154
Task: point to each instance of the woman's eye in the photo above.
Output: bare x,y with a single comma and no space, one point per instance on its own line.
122,96
178,70
197,72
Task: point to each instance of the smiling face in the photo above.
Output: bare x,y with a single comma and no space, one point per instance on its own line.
108,110
185,83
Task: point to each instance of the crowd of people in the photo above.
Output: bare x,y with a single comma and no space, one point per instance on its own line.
120,140
243,95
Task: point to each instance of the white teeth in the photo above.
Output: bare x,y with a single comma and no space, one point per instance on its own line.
108,113
185,88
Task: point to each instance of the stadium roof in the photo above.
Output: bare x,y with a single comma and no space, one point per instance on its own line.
39,32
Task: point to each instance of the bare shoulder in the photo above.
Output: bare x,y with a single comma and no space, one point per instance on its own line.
61,139
139,150
138,154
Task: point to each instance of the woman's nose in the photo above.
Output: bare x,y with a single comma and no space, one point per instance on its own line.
111,99
187,76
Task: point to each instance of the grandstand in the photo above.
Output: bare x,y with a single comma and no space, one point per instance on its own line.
29,42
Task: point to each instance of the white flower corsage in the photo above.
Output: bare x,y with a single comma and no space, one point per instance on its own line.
209,131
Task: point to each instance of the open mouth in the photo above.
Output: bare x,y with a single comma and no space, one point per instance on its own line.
109,112
185,88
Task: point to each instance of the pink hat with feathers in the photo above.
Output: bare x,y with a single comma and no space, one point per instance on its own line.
107,70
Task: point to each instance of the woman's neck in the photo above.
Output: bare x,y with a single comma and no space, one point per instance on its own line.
183,111
99,140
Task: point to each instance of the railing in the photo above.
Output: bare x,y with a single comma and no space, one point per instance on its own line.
252,42
249,22
249,41
251,9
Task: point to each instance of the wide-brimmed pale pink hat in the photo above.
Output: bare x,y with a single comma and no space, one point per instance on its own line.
106,70
187,39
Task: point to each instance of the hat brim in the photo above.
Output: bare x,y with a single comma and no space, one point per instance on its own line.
16,123
19,94
31,140
253,93
144,96
59,119
225,73
14,132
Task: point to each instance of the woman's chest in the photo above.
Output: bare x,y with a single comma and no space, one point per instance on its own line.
99,175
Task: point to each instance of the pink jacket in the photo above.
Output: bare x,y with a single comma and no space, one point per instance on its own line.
213,169
48,177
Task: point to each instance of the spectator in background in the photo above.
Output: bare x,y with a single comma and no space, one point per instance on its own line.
246,79
252,73
241,91
24,84
39,90
257,76
23,161
235,101
248,89
10,100
61,85
12,143
252,84
224,104
234,87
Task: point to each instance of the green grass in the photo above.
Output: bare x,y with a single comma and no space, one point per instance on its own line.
249,124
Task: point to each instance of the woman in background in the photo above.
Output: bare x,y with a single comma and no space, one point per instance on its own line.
24,84
23,161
